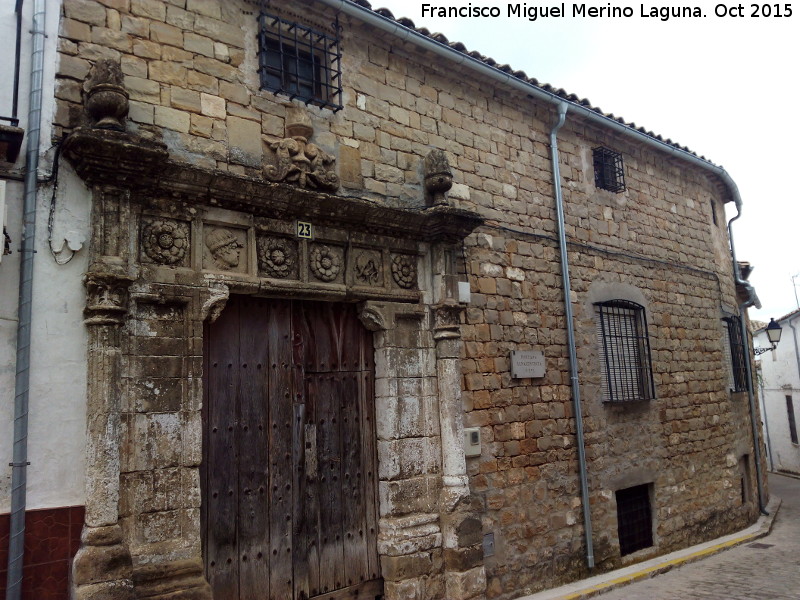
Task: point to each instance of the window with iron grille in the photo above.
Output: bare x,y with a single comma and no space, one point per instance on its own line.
737,354
634,519
300,62
625,350
792,423
608,171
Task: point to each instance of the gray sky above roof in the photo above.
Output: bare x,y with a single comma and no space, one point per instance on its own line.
723,86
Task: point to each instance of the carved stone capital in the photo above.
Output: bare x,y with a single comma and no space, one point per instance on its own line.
213,305
107,298
447,321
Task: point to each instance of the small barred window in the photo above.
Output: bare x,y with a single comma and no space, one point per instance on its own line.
735,352
625,350
299,61
608,171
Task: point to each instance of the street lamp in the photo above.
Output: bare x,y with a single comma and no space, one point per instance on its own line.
774,334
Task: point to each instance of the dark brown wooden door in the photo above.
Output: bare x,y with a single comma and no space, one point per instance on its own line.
288,475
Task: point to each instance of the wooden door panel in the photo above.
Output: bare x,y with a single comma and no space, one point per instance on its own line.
352,483
289,505
281,419
253,440
221,481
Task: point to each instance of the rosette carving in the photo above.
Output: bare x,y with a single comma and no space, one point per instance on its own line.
165,242
277,257
325,263
404,270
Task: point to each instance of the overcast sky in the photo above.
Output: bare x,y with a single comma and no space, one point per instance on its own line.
726,87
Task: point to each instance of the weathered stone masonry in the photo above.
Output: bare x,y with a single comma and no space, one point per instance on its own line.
192,177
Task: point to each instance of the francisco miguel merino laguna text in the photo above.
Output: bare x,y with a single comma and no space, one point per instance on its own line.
534,12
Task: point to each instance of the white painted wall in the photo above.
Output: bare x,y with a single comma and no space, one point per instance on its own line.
780,377
57,417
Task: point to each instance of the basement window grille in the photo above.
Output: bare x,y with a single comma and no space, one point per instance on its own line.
625,349
608,170
737,354
300,62
634,519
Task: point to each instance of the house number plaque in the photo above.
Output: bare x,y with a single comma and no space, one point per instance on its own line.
305,230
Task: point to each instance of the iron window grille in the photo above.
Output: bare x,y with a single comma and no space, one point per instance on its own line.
737,354
634,519
608,170
625,348
299,61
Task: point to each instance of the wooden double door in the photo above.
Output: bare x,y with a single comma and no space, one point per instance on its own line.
289,461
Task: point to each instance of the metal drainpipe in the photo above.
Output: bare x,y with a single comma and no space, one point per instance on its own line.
766,421
16,538
573,359
752,300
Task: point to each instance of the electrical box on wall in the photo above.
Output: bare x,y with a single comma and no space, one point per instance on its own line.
472,441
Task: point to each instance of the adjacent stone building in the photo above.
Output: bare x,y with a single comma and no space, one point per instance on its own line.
320,309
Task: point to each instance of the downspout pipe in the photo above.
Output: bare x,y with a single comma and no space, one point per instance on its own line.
751,300
763,398
16,538
573,358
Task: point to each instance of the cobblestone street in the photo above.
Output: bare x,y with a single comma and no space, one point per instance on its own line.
766,569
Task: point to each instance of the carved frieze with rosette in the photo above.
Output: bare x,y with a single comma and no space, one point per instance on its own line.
326,262
404,270
165,242
277,257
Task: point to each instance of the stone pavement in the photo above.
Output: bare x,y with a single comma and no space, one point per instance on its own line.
752,566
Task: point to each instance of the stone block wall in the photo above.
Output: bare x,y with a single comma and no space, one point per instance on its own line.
190,68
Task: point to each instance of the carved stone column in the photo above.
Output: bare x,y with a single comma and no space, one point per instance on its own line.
465,577
102,568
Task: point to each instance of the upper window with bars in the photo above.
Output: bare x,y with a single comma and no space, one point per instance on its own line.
299,61
735,354
625,350
608,170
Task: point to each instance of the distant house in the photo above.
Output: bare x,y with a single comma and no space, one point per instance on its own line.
779,384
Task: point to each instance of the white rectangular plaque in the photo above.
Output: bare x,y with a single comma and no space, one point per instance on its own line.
527,363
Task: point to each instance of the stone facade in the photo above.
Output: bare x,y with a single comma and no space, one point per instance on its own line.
199,197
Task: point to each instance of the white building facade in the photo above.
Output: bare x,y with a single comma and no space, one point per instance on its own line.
779,380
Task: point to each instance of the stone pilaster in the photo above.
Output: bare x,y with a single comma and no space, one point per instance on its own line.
102,569
465,577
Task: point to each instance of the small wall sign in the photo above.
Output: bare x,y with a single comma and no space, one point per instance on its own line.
527,363
305,230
